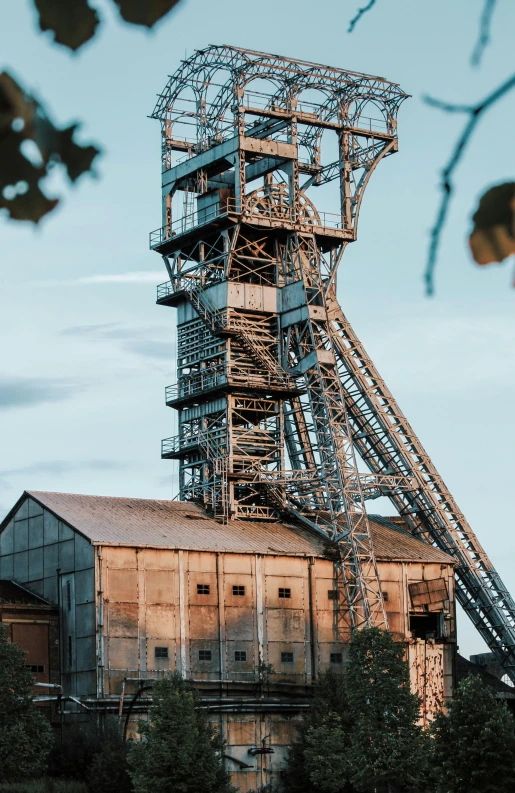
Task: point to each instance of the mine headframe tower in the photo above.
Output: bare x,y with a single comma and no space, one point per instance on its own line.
275,394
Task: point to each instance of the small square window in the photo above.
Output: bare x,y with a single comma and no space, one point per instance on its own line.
36,669
204,655
332,594
336,658
238,590
286,658
161,652
202,589
284,592
385,597
240,655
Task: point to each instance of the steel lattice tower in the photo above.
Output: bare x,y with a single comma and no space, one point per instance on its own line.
275,394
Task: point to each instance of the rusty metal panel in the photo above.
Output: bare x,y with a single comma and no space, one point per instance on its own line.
159,586
158,559
287,670
241,731
160,664
200,667
120,557
235,667
395,622
160,621
274,583
325,649
324,568
33,639
232,580
204,622
277,565
239,623
426,662
122,619
123,654
389,571
282,732
122,585
238,563
201,562
202,579
327,625
323,600
424,593
285,625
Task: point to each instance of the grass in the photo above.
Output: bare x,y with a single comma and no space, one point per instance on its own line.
45,785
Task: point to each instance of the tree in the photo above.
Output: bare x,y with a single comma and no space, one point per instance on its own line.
389,751
474,745
180,752
318,759
25,735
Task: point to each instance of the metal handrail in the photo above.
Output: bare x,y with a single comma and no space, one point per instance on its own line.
234,206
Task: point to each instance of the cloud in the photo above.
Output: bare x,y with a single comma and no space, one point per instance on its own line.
145,341
60,468
66,466
88,330
136,277
16,392
151,348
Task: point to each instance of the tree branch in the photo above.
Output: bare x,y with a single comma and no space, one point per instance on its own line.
359,14
474,113
484,32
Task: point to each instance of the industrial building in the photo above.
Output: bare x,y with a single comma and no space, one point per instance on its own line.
248,610
253,581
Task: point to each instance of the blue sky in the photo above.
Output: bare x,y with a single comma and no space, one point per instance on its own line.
85,352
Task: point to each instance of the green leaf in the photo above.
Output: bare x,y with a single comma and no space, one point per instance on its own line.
145,13
23,119
73,22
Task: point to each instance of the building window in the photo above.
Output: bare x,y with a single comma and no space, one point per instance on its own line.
385,597
69,650
36,669
238,590
332,594
202,589
240,655
69,595
284,592
336,658
286,658
161,652
204,655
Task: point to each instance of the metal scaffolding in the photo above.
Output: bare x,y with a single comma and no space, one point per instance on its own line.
275,393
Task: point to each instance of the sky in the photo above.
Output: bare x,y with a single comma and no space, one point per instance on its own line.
85,352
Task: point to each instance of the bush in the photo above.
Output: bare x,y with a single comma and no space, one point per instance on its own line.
25,735
180,751
92,751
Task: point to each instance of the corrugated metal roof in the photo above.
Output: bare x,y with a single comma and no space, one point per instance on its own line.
108,520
